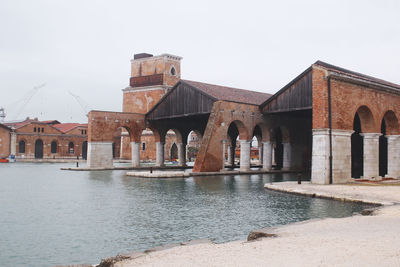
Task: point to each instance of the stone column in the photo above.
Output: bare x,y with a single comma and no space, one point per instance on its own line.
287,156
159,154
341,156
181,154
320,156
260,154
135,150
99,155
371,155
245,155
267,156
230,159
393,159
13,148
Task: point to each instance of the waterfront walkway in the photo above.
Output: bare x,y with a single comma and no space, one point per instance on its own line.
353,241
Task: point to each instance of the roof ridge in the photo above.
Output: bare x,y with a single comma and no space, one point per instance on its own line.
184,80
356,74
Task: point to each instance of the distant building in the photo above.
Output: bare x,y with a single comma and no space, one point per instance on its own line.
34,139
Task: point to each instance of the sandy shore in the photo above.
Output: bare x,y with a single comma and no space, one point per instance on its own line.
353,241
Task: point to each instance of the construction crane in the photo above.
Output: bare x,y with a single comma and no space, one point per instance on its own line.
86,108
23,102
2,114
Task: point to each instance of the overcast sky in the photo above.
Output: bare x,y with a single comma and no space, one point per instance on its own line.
85,46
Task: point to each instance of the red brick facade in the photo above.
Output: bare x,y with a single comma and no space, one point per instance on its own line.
36,139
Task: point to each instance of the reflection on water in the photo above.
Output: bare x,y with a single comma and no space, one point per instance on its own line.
52,217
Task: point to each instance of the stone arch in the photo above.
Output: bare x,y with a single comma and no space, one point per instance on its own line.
391,123
366,119
256,151
121,143
241,130
194,139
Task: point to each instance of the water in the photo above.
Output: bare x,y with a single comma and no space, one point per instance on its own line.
50,217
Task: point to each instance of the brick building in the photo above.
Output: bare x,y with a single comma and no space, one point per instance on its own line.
34,139
335,123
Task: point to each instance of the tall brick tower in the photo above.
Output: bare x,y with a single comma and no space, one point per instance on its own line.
151,77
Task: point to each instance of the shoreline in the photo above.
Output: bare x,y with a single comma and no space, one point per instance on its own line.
387,199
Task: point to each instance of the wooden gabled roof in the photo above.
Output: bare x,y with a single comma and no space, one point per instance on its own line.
189,98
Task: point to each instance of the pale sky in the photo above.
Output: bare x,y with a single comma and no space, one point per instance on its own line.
85,46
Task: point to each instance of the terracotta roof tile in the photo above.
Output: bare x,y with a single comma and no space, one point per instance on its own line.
230,94
66,127
19,124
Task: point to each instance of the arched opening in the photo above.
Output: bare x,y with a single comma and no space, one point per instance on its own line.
71,148
278,149
256,146
53,147
174,153
240,145
147,145
121,144
84,150
193,145
39,149
173,138
357,149
21,147
234,154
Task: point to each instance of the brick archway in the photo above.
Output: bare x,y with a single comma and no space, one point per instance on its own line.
368,124
392,123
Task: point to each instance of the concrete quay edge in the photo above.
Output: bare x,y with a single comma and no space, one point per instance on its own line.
280,187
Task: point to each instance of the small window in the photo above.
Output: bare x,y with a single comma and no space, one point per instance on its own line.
82,132
22,146
54,147
38,129
34,129
42,130
85,132
143,146
173,71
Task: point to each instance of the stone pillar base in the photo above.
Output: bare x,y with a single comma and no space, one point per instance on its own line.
267,156
99,155
135,150
320,156
181,154
371,155
245,155
393,159
159,154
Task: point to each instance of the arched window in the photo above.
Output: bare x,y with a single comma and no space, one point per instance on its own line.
54,147
71,148
21,146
